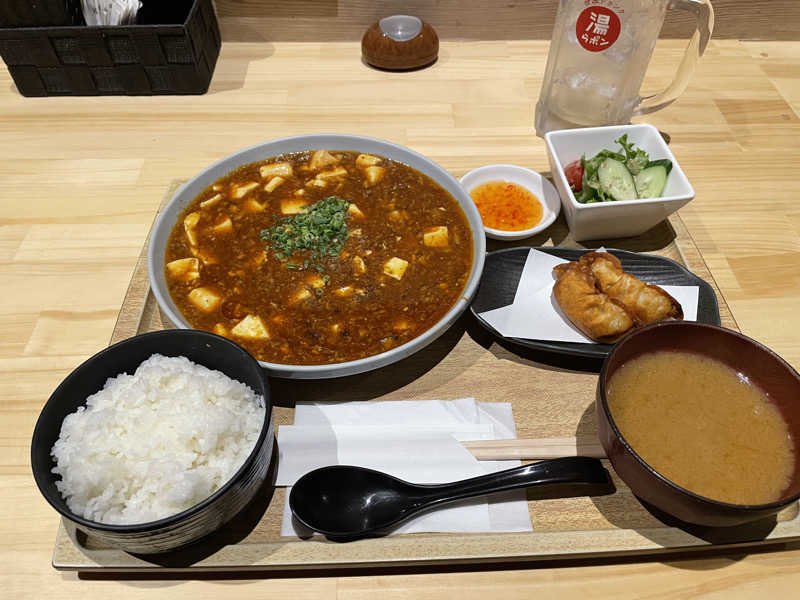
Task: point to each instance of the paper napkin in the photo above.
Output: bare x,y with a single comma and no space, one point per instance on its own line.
110,12
414,440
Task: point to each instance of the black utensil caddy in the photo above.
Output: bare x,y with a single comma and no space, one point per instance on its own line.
173,49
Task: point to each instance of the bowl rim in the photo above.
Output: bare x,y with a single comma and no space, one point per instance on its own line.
503,234
602,380
148,526
374,361
559,169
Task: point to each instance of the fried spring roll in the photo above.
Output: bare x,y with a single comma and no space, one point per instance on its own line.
596,314
649,303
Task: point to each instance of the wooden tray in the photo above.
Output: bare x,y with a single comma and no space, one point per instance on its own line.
552,396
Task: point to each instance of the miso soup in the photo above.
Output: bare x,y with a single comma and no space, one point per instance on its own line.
703,426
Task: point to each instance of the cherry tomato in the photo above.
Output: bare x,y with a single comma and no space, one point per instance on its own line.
574,174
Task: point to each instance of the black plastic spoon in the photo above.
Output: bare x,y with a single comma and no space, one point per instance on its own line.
346,503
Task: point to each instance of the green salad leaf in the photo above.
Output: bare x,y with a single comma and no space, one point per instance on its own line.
636,159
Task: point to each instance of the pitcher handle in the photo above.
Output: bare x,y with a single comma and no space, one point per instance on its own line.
704,13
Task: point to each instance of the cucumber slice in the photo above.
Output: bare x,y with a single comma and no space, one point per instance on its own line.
664,162
651,181
616,180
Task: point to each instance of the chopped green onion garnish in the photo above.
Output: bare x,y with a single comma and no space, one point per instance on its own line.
320,230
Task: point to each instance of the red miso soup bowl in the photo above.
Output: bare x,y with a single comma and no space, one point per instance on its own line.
760,365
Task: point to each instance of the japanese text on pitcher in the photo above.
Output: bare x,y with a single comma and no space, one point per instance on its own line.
597,28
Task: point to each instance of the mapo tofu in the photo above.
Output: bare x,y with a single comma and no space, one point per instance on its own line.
319,257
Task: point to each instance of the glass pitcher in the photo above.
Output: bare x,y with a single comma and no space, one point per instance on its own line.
598,57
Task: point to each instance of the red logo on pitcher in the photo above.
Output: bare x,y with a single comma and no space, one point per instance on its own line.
597,28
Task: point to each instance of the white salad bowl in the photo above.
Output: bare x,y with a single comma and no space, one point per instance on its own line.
604,220
532,181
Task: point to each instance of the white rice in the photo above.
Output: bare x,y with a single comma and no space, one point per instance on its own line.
155,443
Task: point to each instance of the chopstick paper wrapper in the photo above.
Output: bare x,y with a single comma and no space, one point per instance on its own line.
535,315
415,440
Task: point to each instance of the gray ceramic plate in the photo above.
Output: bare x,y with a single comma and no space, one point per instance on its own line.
168,217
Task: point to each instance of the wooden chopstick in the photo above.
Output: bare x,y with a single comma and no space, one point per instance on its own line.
534,448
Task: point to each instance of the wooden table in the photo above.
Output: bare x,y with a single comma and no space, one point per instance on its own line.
82,177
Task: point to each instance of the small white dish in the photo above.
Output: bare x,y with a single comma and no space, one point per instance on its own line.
604,220
532,181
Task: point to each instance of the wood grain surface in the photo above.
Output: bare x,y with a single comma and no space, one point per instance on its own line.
347,20
83,177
